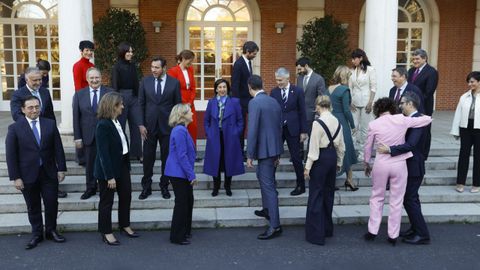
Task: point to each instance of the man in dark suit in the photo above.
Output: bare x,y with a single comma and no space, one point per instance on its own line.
401,86
157,95
85,103
242,70
292,101
34,87
415,138
265,144
44,67
425,77
36,164
313,85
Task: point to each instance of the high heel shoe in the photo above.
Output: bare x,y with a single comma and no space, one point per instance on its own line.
350,186
392,241
369,236
131,235
114,243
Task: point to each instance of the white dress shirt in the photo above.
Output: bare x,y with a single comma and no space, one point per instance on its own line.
37,125
122,136
91,95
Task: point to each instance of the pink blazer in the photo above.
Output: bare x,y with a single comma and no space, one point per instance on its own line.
390,130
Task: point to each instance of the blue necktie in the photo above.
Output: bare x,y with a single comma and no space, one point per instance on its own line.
35,131
37,94
284,95
94,101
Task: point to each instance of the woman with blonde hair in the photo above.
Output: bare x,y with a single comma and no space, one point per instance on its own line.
179,169
341,101
325,157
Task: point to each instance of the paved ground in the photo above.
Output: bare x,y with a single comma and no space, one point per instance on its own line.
454,246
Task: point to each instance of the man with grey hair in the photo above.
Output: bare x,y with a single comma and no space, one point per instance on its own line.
292,102
425,77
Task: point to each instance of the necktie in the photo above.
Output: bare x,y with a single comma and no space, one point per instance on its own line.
156,85
35,131
284,95
397,96
37,94
415,74
94,101
250,67
305,82
158,88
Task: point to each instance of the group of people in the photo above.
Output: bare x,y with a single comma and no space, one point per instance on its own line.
336,123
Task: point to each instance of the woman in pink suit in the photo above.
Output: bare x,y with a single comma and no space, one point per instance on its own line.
389,129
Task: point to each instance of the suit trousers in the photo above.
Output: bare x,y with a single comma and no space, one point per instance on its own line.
182,211
411,202
469,137
124,192
361,120
294,146
268,189
397,173
130,112
321,193
149,154
90,155
45,189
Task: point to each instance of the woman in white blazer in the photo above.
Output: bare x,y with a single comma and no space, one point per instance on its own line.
466,127
363,85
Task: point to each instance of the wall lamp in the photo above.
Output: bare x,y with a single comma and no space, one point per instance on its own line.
157,25
279,26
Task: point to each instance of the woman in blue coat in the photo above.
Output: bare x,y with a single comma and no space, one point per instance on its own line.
223,123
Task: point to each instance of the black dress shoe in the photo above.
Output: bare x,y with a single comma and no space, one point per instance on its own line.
408,233
131,235
165,193
215,193
114,243
417,240
183,243
145,193
262,213
297,191
270,233
34,241
87,194
62,194
228,192
55,237
369,236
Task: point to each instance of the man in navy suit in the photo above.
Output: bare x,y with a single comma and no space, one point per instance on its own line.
85,103
401,86
265,144
415,138
34,78
242,70
425,77
36,164
157,95
292,101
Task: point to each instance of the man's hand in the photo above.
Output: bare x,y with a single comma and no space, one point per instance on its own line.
18,184
111,184
303,137
306,174
249,163
368,108
383,149
143,132
60,176
79,144
277,162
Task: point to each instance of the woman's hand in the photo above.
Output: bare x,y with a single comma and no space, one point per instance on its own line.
368,169
111,183
353,108
456,137
306,174
193,182
368,108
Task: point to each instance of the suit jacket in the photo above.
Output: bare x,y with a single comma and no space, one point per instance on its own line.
293,112
181,157
21,93
108,163
315,87
188,94
264,138
24,154
426,81
361,86
409,88
84,119
155,109
240,75
415,140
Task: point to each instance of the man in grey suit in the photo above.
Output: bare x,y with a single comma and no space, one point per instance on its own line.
264,143
313,85
85,104
157,95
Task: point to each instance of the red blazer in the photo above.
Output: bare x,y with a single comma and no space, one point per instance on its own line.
188,95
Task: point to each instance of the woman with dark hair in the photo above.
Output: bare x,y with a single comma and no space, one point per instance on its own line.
223,124
466,127
112,168
184,73
363,85
388,128
124,80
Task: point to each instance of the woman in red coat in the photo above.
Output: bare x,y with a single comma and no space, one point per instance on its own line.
183,72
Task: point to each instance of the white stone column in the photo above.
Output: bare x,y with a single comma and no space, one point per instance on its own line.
476,45
381,20
75,23
307,10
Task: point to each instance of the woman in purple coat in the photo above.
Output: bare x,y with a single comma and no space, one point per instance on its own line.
223,123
